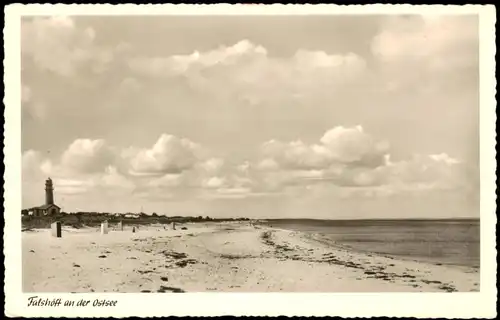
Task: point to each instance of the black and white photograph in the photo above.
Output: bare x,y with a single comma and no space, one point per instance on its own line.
252,153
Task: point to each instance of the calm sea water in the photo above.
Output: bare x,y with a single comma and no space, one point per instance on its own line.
453,242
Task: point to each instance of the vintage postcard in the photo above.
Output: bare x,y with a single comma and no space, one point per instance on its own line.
205,160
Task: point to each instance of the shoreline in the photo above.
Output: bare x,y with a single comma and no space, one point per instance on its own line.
321,237
325,238
232,256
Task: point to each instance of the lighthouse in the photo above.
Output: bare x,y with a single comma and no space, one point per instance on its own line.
49,208
49,192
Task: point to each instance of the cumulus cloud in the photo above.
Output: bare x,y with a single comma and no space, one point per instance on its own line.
214,182
352,145
212,166
181,64
87,156
343,159
253,75
169,154
349,157
338,145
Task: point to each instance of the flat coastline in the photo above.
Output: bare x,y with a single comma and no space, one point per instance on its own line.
220,257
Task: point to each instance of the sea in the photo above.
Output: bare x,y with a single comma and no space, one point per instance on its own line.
449,242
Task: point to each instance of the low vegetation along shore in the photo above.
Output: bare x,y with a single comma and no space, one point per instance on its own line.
219,256
79,220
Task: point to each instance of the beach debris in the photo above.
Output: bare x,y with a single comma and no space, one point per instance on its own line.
133,229
164,278
145,291
55,229
185,262
431,282
236,256
144,271
175,255
447,288
102,256
32,250
164,289
76,265
184,228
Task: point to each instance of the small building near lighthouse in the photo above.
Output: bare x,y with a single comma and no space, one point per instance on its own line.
49,208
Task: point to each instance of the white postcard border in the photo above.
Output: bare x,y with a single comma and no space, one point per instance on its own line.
420,305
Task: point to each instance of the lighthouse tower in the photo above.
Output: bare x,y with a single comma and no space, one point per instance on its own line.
49,208
49,192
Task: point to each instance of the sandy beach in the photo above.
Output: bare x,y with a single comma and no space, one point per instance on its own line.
229,257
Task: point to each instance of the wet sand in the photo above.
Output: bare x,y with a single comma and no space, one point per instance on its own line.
229,257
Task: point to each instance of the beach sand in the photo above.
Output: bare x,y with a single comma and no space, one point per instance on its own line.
230,257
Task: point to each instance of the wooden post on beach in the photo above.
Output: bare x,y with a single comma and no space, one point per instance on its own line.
120,226
104,227
56,229
133,229
173,225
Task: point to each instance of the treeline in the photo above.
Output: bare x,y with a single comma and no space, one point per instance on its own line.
94,219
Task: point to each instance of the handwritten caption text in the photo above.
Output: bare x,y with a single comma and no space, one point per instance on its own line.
36,301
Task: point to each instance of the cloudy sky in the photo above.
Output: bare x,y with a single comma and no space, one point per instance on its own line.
271,116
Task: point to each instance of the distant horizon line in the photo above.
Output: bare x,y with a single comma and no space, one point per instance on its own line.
272,219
